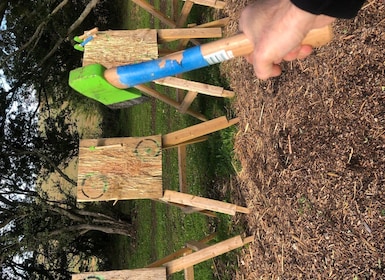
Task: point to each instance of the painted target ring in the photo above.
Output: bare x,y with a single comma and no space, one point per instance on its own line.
97,185
147,148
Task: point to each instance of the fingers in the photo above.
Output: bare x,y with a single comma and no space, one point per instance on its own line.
267,68
299,52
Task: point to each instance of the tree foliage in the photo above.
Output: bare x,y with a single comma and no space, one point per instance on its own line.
40,235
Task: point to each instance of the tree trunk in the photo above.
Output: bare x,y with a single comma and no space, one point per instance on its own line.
117,228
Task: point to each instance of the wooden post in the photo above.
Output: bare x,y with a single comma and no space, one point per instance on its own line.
182,154
196,245
169,35
189,273
192,141
195,86
180,252
155,12
120,168
211,3
189,98
156,273
151,92
202,203
119,47
195,131
189,209
216,23
203,255
186,9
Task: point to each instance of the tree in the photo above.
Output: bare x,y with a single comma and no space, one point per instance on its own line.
36,56
31,221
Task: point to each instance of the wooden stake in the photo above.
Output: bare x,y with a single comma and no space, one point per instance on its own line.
180,252
201,202
189,209
182,169
156,13
186,9
215,23
195,86
151,92
156,273
169,35
248,239
189,98
211,3
196,131
193,141
189,273
203,255
196,245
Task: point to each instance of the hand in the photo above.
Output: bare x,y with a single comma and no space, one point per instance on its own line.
277,28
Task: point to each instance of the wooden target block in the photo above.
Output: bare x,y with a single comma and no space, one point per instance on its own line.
120,168
119,47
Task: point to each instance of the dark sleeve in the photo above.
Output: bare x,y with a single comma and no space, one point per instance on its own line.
333,8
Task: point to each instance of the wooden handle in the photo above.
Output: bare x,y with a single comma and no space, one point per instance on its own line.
88,33
131,75
239,45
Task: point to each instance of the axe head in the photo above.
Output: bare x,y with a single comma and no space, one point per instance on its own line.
89,81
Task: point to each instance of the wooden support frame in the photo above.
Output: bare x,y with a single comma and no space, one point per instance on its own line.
207,252
164,98
186,9
169,35
136,162
156,13
155,273
107,52
109,48
180,252
200,203
189,98
203,255
187,134
194,252
167,20
210,3
195,86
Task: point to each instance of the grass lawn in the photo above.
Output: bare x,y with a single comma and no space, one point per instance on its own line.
162,229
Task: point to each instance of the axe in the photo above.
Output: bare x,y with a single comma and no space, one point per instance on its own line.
91,78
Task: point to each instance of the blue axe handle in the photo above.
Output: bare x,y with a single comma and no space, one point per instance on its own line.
131,75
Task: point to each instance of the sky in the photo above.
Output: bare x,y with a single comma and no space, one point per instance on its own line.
3,81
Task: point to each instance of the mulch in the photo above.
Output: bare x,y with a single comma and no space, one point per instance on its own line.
312,148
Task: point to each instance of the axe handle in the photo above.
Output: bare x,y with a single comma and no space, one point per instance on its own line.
130,75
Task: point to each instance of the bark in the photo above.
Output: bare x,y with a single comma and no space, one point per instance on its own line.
101,222
68,214
84,228
50,162
74,25
38,32
93,214
92,4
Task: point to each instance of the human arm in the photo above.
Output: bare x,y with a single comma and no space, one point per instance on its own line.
277,28
333,8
